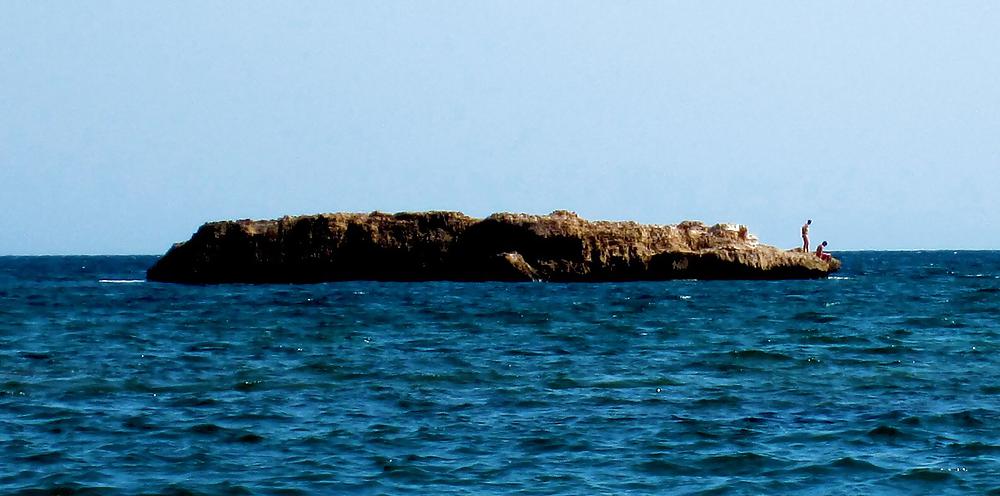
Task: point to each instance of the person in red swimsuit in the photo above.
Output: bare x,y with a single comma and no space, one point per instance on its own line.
819,252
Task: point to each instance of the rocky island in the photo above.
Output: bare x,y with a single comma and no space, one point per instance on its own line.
453,246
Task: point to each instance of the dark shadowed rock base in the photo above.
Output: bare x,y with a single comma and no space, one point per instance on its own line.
452,246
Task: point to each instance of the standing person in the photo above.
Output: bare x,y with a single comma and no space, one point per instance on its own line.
805,236
820,253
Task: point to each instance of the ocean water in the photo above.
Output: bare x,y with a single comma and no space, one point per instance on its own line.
882,380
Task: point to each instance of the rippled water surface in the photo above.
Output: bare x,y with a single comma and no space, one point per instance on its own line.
883,380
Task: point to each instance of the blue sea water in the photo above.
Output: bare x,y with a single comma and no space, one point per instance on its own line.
882,380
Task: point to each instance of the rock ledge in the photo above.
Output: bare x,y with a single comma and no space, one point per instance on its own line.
453,246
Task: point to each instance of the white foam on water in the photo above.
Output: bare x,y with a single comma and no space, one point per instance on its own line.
121,281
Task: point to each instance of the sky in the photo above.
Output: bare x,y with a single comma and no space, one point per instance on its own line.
125,125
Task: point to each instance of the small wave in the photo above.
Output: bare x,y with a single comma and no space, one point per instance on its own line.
884,432
934,322
975,448
839,466
815,317
740,463
926,475
662,467
247,386
248,438
208,346
965,418
819,336
855,465
542,444
193,401
406,473
717,401
121,281
206,429
755,354
35,355
885,350
44,458
71,490
639,382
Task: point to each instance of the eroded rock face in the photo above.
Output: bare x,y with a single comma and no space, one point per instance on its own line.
453,246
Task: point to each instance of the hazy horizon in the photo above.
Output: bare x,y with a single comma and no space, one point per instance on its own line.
128,126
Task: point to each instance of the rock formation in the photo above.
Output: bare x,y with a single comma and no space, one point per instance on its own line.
452,246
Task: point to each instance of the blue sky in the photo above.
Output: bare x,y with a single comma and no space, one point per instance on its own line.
125,125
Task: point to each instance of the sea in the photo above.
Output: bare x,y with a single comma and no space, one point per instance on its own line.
884,379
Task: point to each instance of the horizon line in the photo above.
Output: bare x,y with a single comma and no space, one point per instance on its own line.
855,250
